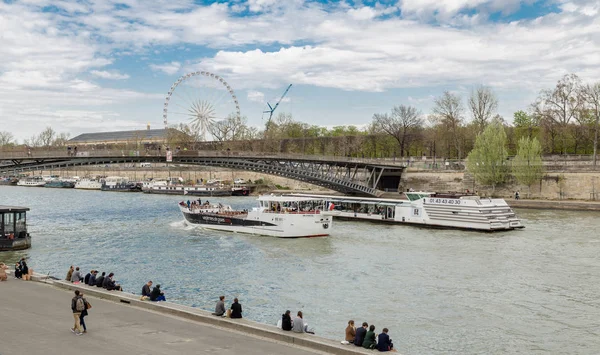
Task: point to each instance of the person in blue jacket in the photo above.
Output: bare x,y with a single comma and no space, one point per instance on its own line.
384,343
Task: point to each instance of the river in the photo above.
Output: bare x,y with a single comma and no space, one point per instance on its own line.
533,291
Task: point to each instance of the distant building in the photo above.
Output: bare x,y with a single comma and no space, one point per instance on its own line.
142,137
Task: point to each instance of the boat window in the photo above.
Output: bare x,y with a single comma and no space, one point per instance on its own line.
20,219
9,226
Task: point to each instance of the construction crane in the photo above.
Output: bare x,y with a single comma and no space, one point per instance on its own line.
273,108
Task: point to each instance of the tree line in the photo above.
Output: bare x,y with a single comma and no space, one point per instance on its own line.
564,120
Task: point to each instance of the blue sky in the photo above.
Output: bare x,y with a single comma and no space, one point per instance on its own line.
101,65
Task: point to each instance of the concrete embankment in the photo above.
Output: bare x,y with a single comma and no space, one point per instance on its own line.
555,205
120,323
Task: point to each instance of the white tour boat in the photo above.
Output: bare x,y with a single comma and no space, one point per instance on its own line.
88,184
34,181
275,216
444,210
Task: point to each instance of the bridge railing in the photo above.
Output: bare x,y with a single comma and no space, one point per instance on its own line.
139,154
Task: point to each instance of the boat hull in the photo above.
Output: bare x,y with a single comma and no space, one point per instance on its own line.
60,185
15,244
269,224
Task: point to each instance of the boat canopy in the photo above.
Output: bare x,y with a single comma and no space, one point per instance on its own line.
287,198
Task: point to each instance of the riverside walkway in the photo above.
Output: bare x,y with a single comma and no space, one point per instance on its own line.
36,318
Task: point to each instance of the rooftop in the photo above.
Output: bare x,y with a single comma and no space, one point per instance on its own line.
13,209
140,134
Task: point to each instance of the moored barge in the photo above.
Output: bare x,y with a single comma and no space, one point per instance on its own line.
13,228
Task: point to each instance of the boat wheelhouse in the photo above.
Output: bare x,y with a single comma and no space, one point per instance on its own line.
430,209
88,184
13,228
275,216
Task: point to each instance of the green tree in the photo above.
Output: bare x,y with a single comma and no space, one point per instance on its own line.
525,124
527,165
487,160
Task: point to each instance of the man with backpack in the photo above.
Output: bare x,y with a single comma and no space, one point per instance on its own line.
77,306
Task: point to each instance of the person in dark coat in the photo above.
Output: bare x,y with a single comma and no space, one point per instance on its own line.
370,342
110,283
92,280
157,294
86,279
286,321
146,291
100,280
17,270
360,334
236,309
384,343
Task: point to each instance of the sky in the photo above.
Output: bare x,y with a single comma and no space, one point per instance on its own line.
106,65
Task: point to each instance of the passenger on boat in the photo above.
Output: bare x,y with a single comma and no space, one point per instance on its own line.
146,291
100,280
71,269
157,295
360,334
76,277
286,321
220,307
236,309
189,204
350,332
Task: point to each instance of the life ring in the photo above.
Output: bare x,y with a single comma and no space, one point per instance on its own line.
325,225
244,192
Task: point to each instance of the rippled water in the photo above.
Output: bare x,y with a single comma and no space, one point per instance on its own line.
438,291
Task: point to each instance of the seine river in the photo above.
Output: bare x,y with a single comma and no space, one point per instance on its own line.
534,291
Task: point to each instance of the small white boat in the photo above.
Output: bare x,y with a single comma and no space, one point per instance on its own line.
35,181
88,184
275,216
430,209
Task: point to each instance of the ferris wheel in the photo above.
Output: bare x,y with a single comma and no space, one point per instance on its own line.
200,99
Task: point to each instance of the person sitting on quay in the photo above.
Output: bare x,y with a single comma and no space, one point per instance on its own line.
25,272
70,273
384,342
286,321
220,307
370,342
92,280
100,280
76,276
110,284
3,275
17,270
146,291
86,279
298,323
350,332
360,334
236,309
157,295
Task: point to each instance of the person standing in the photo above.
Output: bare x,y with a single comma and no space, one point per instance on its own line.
77,306
350,332
84,313
220,307
360,334
236,309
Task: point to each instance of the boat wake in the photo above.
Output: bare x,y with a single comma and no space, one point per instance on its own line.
183,225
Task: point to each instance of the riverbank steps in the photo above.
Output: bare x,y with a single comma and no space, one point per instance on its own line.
120,323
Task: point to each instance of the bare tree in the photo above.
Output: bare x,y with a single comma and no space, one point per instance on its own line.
61,139
561,104
46,137
483,103
402,124
34,141
449,111
6,138
591,98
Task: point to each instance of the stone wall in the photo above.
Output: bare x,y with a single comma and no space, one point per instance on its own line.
554,186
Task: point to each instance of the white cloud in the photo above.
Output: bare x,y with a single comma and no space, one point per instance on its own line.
256,96
168,68
260,5
112,75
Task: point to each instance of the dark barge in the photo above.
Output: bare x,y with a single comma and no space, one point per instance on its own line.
13,228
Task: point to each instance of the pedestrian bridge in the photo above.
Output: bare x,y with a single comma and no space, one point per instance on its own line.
356,176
